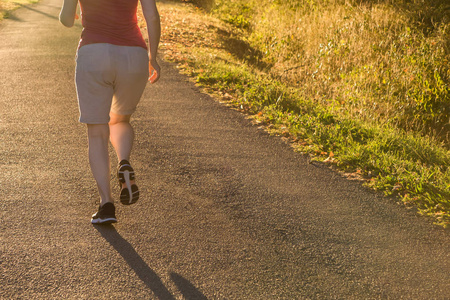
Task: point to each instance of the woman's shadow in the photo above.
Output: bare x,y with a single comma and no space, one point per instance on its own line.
143,271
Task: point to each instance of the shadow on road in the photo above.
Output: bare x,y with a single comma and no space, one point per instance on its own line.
38,11
132,258
186,288
144,272
12,17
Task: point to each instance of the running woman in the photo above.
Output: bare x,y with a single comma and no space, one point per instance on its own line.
113,67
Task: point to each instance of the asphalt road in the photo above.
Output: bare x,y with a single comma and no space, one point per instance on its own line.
227,212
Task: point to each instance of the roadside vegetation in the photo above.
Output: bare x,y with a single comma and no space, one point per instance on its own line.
7,6
360,85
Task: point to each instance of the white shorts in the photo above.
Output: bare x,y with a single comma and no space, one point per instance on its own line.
109,78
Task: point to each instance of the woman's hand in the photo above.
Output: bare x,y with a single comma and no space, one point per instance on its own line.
154,71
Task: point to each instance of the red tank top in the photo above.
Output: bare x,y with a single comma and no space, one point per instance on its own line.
110,21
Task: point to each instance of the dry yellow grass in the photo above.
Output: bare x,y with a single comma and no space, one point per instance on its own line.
376,62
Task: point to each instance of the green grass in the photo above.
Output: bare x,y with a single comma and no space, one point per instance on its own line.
7,6
362,87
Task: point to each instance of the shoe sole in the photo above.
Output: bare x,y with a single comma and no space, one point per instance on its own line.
99,221
129,194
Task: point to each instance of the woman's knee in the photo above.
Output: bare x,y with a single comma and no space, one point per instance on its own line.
98,130
116,118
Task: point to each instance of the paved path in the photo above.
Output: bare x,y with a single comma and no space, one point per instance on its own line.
227,212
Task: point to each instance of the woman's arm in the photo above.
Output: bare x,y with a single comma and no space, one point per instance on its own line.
68,12
152,19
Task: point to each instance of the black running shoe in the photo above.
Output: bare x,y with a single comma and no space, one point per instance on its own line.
130,193
106,214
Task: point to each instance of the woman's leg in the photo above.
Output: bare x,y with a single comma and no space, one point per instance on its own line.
98,137
121,135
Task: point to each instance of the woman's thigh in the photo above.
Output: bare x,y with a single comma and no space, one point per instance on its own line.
131,78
